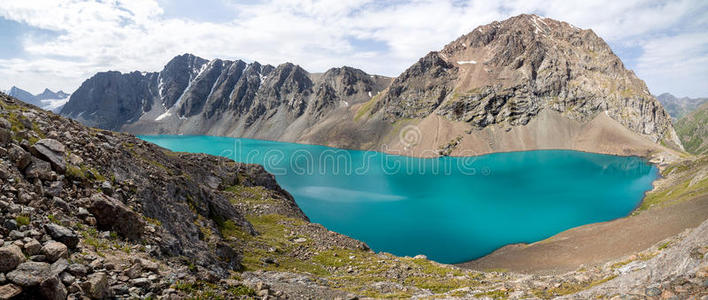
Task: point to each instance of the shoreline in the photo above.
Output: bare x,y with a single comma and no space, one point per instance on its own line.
645,158
582,245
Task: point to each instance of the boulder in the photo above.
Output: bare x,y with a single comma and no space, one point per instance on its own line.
62,234
29,273
19,156
5,136
5,124
59,266
52,151
9,291
39,169
55,250
96,286
10,257
77,269
52,289
113,215
148,265
33,247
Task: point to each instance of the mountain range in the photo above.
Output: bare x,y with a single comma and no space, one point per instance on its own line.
47,100
521,84
679,107
693,130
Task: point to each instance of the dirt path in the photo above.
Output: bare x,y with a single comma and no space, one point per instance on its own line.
597,243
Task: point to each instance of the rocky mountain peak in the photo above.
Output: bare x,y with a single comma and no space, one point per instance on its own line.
505,73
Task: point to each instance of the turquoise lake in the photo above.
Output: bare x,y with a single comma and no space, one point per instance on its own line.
450,209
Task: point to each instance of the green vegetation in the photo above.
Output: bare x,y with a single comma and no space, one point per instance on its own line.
205,290
74,172
250,194
53,219
83,172
352,270
152,221
693,132
685,184
19,123
91,238
495,294
368,106
22,220
567,288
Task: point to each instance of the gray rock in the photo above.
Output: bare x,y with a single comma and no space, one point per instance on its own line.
59,266
9,291
29,273
52,289
148,265
77,270
5,124
38,169
107,188
19,156
10,257
33,247
10,224
5,136
115,216
96,286
55,250
140,282
62,234
75,159
52,151
67,278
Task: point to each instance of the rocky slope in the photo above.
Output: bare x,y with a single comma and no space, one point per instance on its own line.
92,213
48,99
521,84
679,107
693,130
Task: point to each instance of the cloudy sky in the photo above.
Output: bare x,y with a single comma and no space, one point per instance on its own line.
59,43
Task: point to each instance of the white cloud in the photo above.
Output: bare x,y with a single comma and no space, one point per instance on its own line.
135,35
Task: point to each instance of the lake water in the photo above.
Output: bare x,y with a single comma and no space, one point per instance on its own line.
450,209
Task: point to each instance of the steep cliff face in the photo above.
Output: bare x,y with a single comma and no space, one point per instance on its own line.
110,99
507,72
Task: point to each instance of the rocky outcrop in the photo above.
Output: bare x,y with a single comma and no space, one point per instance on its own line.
67,190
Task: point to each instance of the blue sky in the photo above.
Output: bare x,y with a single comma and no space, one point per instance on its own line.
58,44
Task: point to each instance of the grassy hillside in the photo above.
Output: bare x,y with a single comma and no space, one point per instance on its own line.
693,130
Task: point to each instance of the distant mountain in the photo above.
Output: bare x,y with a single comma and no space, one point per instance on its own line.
521,84
693,130
47,100
679,107
194,95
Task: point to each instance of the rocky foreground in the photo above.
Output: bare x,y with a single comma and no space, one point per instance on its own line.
87,213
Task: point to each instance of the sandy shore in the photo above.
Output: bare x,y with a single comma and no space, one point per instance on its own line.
596,243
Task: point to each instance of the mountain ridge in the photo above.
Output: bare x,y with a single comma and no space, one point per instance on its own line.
496,89
679,107
47,99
